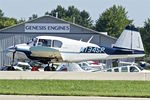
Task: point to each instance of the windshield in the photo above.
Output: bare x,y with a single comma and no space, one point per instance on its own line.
141,68
88,68
32,42
44,42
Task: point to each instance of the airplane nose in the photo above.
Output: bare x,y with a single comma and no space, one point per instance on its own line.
11,49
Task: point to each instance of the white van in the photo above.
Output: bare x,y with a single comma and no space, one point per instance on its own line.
128,68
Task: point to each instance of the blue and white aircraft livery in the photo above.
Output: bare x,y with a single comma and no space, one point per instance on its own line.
57,49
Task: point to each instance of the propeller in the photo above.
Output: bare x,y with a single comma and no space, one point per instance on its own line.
13,50
13,58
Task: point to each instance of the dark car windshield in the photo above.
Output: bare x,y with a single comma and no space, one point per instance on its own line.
141,68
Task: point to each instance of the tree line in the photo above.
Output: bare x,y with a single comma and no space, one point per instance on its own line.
113,21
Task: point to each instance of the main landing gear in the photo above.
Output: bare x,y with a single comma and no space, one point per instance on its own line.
50,68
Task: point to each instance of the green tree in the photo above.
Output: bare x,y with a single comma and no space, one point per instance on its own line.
1,19
59,10
145,33
21,20
9,21
72,14
86,19
6,21
1,13
34,16
113,21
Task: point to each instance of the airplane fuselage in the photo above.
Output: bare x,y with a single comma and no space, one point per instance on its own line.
57,49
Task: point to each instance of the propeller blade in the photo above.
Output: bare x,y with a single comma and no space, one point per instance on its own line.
13,58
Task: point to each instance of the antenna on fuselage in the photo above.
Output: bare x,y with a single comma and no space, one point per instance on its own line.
90,39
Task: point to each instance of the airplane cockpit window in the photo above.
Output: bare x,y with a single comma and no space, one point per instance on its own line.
57,43
44,42
47,43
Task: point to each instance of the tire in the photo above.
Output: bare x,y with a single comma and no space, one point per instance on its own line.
47,68
10,69
53,68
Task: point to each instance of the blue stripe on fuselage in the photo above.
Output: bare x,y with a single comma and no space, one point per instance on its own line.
121,51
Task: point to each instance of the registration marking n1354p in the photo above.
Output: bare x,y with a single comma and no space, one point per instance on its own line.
92,50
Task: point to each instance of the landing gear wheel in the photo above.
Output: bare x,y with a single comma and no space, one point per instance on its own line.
11,69
47,68
53,68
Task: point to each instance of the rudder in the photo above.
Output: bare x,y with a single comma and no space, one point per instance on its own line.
129,39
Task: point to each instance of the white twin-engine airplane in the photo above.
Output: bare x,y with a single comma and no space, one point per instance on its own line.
50,49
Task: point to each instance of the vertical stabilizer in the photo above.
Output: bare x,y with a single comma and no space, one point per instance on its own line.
130,40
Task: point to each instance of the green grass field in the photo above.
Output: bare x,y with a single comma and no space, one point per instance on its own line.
75,88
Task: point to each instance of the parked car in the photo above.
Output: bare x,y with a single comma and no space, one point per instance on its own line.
128,68
36,66
19,66
24,66
92,64
75,67
10,68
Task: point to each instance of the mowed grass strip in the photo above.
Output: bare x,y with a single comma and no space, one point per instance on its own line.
75,88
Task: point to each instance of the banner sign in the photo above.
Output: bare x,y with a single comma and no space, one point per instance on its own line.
47,28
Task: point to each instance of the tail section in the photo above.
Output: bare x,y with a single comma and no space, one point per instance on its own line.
130,40
128,45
